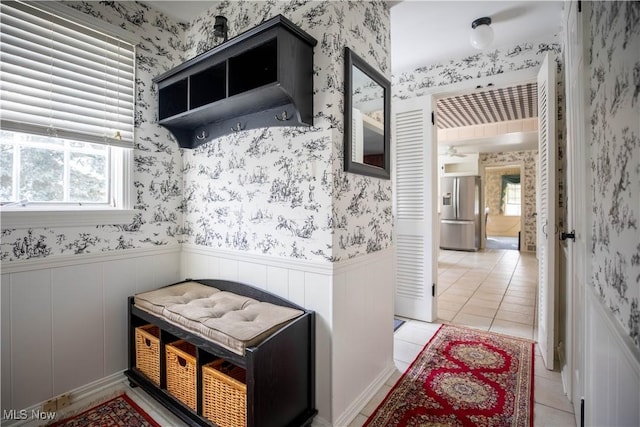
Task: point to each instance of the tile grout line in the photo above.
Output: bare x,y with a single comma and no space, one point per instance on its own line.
505,291
497,261
551,407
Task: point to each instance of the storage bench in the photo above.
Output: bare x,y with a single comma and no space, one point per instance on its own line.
267,338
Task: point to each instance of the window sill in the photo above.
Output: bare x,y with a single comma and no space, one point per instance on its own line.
20,219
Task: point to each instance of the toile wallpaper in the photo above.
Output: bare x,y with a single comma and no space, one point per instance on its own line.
615,159
282,191
157,171
486,63
528,183
274,191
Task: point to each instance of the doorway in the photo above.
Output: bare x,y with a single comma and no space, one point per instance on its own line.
416,196
494,288
503,206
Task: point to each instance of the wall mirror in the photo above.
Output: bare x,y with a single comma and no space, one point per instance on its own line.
366,119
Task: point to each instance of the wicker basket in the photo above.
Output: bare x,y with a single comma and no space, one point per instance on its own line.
224,394
181,372
148,352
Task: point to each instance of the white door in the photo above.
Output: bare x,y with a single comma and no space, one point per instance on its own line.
577,219
415,228
546,217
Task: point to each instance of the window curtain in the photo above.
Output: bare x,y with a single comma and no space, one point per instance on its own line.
507,179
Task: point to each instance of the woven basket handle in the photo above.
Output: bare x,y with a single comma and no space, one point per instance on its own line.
147,342
182,361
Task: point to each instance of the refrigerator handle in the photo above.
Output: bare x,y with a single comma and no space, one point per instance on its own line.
456,198
453,198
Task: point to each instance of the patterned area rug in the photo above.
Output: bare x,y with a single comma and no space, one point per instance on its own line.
463,377
120,411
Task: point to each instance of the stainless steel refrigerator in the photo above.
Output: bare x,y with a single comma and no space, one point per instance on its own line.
460,206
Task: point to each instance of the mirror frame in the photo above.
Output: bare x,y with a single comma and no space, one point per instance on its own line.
352,60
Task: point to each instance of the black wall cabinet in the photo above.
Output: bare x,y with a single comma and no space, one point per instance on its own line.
261,78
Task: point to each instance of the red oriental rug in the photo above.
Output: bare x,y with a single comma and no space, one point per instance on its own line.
463,377
120,411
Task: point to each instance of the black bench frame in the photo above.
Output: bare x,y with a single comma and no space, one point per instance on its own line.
280,370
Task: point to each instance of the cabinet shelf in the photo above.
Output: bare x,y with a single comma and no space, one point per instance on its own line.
263,77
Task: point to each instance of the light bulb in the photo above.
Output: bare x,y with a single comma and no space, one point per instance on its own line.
481,34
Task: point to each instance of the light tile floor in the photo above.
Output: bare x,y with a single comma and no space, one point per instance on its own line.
491,290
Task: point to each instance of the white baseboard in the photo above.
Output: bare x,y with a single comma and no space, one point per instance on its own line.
87,392
367,394
78,397
320,422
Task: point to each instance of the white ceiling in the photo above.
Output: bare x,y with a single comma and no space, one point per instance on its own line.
183,11
427,32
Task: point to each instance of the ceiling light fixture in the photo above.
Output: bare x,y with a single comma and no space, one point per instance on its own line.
481,34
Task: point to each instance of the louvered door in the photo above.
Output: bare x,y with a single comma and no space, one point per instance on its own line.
414,209
546,210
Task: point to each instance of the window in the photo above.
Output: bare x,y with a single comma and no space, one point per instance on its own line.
40,169
67,113
510,196
512,205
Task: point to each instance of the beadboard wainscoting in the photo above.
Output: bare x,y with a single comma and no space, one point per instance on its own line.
363,308
353,301
612,368
64,319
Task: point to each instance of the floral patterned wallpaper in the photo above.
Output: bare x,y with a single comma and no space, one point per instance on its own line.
282,191
157,172
528,184
615,158
274,191
485,63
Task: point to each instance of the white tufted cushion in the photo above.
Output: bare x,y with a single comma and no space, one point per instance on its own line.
233,321
155,301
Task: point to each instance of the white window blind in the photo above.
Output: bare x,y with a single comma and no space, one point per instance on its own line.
58,78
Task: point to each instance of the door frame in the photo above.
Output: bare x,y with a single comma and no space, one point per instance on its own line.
517,164
578,260
497,81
